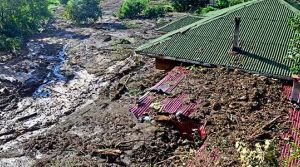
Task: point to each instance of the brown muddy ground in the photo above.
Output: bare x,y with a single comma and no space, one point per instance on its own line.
85,122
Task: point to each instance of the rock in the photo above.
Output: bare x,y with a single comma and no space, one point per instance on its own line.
234,105
126,160
217,106
243,98
206,104
107,38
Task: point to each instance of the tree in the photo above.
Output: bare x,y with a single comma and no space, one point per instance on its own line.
133,8
83,11
20,18
222,3
294,52
186,5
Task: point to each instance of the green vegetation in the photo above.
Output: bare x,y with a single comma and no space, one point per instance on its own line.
262,156
20,18
227,3
294,52
64,2
205,10
187,5
131,9
295,154
83,11
155,11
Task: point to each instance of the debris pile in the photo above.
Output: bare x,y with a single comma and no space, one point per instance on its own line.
232,105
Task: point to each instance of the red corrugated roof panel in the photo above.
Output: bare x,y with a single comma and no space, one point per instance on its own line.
292,137
171,80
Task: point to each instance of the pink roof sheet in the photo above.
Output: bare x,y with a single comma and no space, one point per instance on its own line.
171,80
177,104
291,136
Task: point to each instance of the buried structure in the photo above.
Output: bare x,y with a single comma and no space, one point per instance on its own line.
253,37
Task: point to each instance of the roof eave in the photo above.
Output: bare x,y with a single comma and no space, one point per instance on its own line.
212,65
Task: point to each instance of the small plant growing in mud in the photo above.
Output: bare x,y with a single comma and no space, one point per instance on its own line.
261,156
294,151
294,154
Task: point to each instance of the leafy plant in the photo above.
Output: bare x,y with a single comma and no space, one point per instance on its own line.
20,18
227,3
186,5
294,51
262,156
83,11
222,3
205,10
294,154
64,2
133,8
155,11
235,2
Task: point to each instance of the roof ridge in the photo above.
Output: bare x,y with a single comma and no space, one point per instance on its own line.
180,18
289,5
214,16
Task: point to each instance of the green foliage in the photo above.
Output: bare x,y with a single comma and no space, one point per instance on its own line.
20,18
133,8
222,3
262,156
64,2
155,11
227,3
186,5
295,154
205,10
169,8
235,2
294,52
83,11
12,44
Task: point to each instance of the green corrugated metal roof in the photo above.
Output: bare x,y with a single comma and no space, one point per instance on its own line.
264,39
179,23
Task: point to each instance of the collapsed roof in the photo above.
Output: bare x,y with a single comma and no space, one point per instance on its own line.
264,37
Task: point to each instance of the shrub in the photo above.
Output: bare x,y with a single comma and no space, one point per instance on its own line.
222,3
20,18
227,3
64,2
12,44
169,8
185,5
235,2
132,8
83,11
294,50
155,11
260,156
205,10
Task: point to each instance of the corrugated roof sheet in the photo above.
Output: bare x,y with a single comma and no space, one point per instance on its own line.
177,104
291,137
179,23
264,39
170,81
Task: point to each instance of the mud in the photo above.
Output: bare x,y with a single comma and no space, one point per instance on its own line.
47,84
81,115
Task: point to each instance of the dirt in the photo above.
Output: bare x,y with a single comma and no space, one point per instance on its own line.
86,119
237,106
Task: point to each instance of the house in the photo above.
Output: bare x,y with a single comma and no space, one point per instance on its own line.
179,23
253,36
